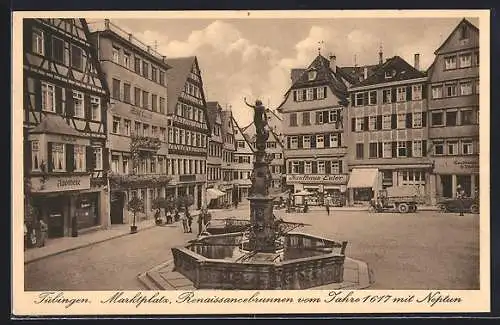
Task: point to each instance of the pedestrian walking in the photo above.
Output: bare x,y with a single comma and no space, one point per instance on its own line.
189,218
168,215
176,215
327,205
184,221
201,220
460,196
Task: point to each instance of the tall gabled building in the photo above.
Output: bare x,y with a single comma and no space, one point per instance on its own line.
65,105
137,120
387,133
189,129
215,144
454,111
313,113
228,149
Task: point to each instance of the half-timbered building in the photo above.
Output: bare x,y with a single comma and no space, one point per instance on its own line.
65,104
188,131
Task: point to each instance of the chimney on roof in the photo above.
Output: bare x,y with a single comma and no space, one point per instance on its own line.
416,62
365,73
333,63
380,56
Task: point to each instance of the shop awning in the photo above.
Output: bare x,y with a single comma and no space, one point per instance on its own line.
213,193
363,177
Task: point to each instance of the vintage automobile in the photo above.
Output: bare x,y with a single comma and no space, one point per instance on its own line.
400,199
453,205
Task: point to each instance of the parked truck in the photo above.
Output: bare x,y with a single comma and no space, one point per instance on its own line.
402,199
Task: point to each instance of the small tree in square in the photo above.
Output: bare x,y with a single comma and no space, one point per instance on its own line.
135,205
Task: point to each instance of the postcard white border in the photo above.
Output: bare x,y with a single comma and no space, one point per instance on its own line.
472,300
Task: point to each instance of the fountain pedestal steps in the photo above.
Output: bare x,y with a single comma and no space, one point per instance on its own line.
357,275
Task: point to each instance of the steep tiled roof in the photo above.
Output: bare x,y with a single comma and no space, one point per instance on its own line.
354,74
55,124
324,76
398,68
176,79
212,108
463,21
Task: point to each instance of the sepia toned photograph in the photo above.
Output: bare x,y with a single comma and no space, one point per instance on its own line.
182,156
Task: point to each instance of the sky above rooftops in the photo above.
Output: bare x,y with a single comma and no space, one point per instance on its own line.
252,57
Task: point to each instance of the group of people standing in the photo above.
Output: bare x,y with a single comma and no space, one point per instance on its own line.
186,218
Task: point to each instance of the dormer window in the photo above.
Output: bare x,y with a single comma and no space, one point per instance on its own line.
388,75
311,75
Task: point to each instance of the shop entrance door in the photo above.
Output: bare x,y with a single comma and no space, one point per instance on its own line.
446,185
117,203
465,182
55,222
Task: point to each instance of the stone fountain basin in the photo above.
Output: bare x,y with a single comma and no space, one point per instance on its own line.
303,261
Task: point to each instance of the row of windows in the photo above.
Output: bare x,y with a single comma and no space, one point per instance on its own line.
309,94
390,95
413,120
124,126
455,88
192,90
190,138
318,141
54,100
66,157
241,175
315,167
227,156
216,130
158,165
454,117
242,159
322,117
214,149
190,112
59,50
392,149
142,98
214,174
228,138
464,60
453,147
141,66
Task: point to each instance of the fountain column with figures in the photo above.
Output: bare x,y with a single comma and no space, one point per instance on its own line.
262,234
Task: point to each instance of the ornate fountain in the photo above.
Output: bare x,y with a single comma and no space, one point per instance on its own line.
268,255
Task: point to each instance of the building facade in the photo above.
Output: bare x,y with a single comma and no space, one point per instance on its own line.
242,164
228,149
315,147
137,120
454,112
387,134
214,157
65,105
189,130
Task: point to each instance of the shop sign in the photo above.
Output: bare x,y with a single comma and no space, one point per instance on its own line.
141,113
448,165
187,178
60,183
319,179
